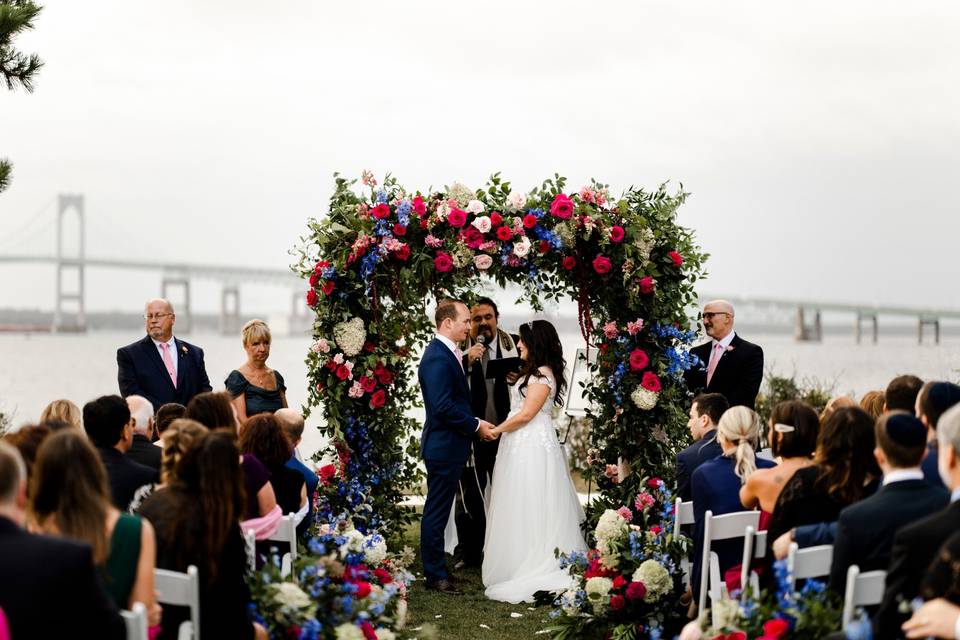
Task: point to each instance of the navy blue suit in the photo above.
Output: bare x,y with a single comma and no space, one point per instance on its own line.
312,481
716,488
445,445
141,372
706,448
929,466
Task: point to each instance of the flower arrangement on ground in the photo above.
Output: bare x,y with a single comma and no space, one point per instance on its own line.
347,586
629,584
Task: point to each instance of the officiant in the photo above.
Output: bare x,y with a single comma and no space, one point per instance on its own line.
490,361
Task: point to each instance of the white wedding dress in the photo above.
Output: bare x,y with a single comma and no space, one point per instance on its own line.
533,509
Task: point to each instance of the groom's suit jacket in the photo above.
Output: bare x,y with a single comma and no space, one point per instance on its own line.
450,424
738,374
141,372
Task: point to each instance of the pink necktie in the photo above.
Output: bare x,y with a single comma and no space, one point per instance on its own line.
714,359
168,361
459,355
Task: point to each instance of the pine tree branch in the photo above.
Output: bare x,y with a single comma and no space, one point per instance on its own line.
6,169
17,68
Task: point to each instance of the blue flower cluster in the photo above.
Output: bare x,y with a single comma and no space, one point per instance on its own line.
403,213
367,265
670,331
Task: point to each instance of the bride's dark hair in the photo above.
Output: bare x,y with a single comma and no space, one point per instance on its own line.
543,350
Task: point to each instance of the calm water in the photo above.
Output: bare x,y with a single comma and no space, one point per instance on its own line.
39,368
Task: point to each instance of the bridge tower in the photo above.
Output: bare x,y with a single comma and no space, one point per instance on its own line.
181,306
70,266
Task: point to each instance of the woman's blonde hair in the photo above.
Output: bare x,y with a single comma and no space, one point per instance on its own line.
872,402
64,411
740,426
178,438
255,330
836,402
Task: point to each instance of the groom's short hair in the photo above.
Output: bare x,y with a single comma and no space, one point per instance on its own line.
446,308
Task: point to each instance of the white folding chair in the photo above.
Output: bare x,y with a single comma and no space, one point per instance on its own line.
683,515
287,532
250,546
183,590
725,527
135,621
863,589
754,548
812,562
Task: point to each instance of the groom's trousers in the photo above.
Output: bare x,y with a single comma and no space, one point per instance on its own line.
443,479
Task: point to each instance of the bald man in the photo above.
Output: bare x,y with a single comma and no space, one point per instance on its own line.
729,365
159,367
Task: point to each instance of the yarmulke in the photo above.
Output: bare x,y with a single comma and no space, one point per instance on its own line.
943,395
906,430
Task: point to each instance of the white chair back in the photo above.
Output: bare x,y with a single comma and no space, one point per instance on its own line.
250,546
724,527
812,562
683,515
863,589
181,589
287,532
135,621
754,548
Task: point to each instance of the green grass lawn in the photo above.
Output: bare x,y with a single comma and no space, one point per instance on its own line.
461,617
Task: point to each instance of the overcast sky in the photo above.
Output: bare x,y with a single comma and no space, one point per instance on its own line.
820,141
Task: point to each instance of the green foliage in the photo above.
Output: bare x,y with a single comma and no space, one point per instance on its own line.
777,389
17,68
6,172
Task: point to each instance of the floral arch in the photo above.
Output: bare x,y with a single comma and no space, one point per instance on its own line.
378,256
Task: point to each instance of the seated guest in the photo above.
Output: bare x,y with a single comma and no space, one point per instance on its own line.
197,519
916,545
291,421
255,387
902,393
167,414
793,437
263,438
107,422
213,410
865,529
62,411
844,471
34,568
705,412
716,483
69,497
937,618
872,402
27,439
934,399
837,402
142,449
178,438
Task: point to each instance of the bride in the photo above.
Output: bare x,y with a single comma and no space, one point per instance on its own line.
533,505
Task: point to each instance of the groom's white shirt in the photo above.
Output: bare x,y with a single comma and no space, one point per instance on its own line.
449,344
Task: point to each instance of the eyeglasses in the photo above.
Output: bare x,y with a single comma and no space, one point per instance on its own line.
709,314
156,316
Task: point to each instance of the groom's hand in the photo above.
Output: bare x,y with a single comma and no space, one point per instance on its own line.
486,430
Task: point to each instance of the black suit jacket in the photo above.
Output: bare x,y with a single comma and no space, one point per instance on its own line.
914,548
34,570
144,452
141,372
706,448
125,476
865,530
738,374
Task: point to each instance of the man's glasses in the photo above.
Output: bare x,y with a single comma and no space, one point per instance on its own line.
156,316
709,314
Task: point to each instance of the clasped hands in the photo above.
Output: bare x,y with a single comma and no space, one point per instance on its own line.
488,431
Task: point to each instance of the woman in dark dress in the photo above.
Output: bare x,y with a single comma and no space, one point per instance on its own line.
263,437
255,387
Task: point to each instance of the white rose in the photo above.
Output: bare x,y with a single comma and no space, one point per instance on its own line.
482,224
354,542
474,206
483,262
348,631
521,247
385,634
516,200
374,549
289,594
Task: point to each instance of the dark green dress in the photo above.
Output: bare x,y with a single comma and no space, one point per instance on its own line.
120,570
257,399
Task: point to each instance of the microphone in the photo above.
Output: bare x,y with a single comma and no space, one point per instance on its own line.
482,339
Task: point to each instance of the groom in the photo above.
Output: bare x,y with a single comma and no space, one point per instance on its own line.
447,434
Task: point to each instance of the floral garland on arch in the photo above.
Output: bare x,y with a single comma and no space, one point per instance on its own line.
378,255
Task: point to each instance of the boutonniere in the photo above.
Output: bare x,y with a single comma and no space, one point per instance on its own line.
729,348
183,349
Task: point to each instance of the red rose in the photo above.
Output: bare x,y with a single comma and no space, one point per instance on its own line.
504,233
776,628
495,218
650,382
384,375
326,472
619,582
368,384
616,603
561,207
399,230
363,589
639,360
602,265
616,233
320,266
342,372
314,278
569,262
544,246
328,287
424,223
654,483
472,237
655,529
381,211
676,257
402,253
378,399
332,365
368,346
443,262
636,591
419,206
311,298
529,221
383,576
457,217
646,284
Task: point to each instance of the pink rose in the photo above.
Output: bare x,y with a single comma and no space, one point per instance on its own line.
610,330
483,262
625,513
457,217
419,206
676,257
647,284
611,472
561,207
636,591
616,234
602,265
443,262
650,382
633,328
381,211
586,194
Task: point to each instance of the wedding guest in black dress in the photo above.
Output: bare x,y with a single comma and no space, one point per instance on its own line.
255,387
263,437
